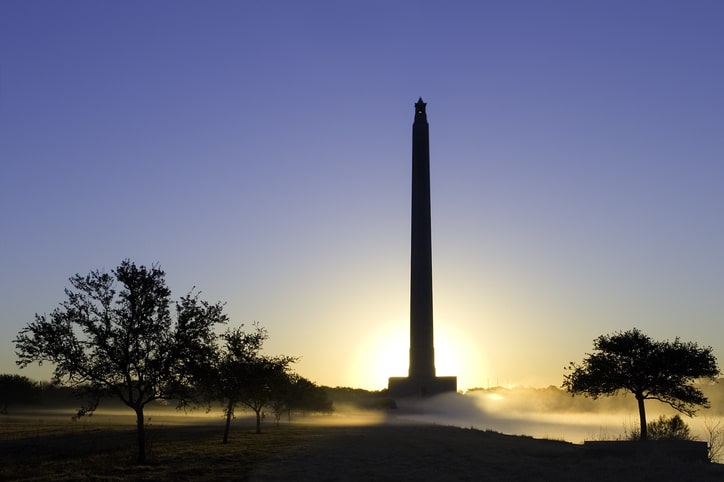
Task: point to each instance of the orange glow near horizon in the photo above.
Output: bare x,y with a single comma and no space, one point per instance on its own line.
383,353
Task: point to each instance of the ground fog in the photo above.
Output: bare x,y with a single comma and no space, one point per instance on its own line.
543,413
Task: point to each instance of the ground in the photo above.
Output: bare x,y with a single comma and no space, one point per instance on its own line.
50,448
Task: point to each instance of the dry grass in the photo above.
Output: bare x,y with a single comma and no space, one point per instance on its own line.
48,448
55,448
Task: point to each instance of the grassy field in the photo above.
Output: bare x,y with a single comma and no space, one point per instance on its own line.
44,446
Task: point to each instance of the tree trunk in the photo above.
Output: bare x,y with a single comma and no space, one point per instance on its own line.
141,435
642,418
229,414
258,420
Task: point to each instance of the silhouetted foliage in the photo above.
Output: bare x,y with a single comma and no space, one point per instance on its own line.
658,370
261,375
293,392
359,398
17,390
282,390
664,428
306,397
114,336
240,374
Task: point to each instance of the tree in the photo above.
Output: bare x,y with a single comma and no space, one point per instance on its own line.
659,370
290,392
306,396
261,375
224,379
714,438
242,375
282,389
17,389
114,336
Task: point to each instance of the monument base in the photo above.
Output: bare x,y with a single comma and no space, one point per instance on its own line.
405,387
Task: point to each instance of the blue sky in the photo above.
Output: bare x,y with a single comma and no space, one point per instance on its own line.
260,151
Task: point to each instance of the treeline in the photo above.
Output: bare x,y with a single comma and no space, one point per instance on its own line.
18,393
301,397
360,399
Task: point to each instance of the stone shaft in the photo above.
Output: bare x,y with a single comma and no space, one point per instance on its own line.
421,379
422,355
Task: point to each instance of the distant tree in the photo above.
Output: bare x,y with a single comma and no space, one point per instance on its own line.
224,379
715,439
359,398
260,374
658,370
114,336
292,392
17,390
282,396
308,397
240,374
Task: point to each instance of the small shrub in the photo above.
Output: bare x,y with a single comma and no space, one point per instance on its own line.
663,428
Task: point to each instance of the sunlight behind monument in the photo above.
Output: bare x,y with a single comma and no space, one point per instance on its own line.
384,349
422,379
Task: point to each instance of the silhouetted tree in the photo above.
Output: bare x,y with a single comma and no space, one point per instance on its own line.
658,370
715,439
114,336
308,397
292,392
240,374
17,390
260,374
282,394
225,378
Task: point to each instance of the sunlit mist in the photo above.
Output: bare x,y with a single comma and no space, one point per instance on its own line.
544,413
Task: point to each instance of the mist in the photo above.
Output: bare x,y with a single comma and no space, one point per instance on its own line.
547,413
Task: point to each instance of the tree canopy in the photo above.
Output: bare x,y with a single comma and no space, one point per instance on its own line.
115,336
17,390
649,369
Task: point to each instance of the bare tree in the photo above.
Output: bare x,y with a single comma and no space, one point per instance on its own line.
114,336
715,438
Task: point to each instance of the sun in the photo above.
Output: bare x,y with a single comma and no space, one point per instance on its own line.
456,354
384,353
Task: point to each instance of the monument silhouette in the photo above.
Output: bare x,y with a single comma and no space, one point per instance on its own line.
421,379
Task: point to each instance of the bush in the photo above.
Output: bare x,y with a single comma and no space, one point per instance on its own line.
664,428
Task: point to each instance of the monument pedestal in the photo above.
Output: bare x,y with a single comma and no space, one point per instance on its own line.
407,387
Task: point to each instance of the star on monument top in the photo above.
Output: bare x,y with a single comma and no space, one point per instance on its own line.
420,106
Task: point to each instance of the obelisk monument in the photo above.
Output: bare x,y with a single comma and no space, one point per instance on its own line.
421,379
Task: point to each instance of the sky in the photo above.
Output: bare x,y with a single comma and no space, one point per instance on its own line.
260,151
